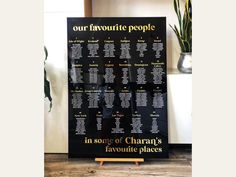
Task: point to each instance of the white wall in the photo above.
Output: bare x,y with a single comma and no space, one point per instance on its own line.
179,93
55,39
143,8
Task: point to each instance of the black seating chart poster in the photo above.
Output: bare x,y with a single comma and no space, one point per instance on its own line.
117,87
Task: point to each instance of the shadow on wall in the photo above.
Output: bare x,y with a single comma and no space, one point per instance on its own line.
173,49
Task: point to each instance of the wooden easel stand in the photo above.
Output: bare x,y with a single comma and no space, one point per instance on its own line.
135,160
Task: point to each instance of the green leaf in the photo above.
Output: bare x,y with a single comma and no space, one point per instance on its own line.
185,29
177,11
187,46
175,7
46,53
47,93
47,87
178,3
178,37
184,34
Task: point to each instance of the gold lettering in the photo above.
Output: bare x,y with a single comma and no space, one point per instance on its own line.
80,28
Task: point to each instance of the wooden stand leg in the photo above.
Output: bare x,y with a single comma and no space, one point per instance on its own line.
101,163
137,163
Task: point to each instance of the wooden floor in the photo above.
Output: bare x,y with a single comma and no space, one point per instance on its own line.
178,165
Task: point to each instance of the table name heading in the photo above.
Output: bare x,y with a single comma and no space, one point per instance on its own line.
116,27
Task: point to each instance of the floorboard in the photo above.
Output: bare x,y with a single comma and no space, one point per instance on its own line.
178,165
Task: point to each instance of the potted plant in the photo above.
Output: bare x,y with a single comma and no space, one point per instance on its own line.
184,35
